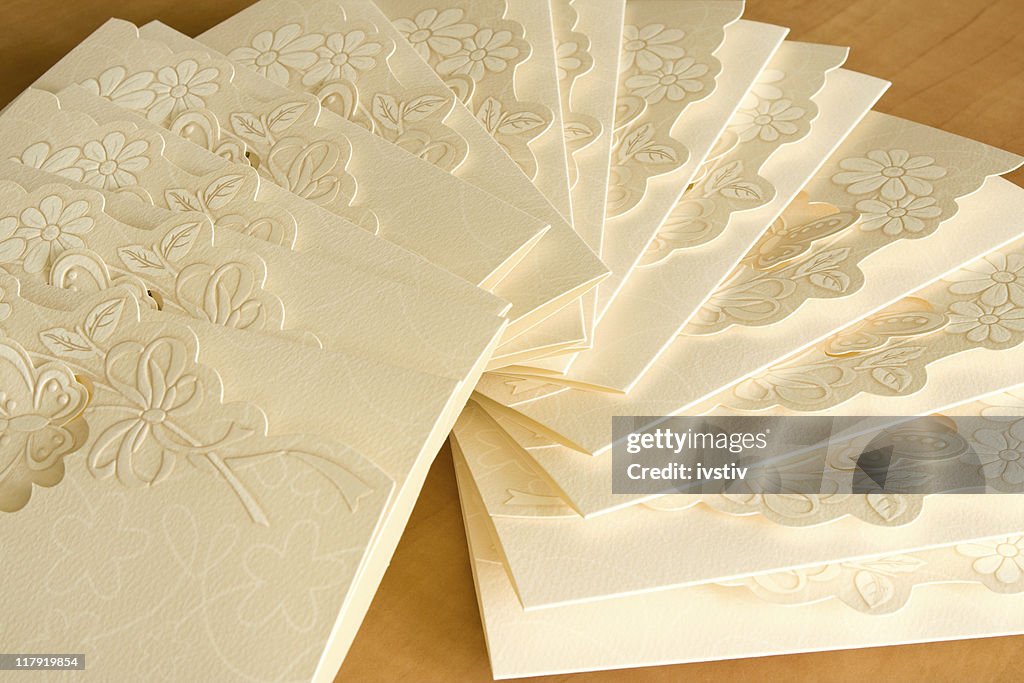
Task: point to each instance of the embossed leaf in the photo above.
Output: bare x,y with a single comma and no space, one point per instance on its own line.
178,241
284,116
248,126
887,505
742,190
826,260
67,343
490,114
222,190
102,320
657,154
182,200
520,122
897,564
139,259
725,175
832,280
576,131
423,106
897,379
636,140
385,110
874,588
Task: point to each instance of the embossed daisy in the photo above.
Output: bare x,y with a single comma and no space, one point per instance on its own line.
272,53
1000,453
487,50
180,88
893,173
343,56
674,81
112,163
985,323
1002,559
44,231
768,121
431,31
895,217
997,279
649,47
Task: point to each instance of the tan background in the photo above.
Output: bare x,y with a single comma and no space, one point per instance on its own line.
955,64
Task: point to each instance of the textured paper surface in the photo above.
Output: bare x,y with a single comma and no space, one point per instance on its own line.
637,549
700,623
342,308
451,136
852,269
182,503
114,61
731,204
659,152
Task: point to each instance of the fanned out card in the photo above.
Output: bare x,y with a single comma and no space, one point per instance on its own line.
292,142
729,206
885,359
713,622
587,41
379,96
556,557
498,57
833,255
664,132
66,235
351,309
166,504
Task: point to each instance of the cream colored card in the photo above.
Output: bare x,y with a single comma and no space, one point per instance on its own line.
740,194
216,523
450,136
660,150
311,152
351,397
252,206
227,279
343,308
884,361
637,549
719,622
818,267
498,56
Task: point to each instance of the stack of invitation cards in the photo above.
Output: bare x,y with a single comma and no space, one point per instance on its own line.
251,280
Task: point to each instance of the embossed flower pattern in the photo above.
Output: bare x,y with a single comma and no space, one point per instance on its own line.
985,323
155,392
674,80
650,46
42,232
130,92
768,121
996,279
1003,559
1001,453
487,50
112,163
272,53
897,216
764,89
343,56
893,174
433,32
180,88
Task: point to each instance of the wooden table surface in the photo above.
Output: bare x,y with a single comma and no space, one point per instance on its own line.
954,64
